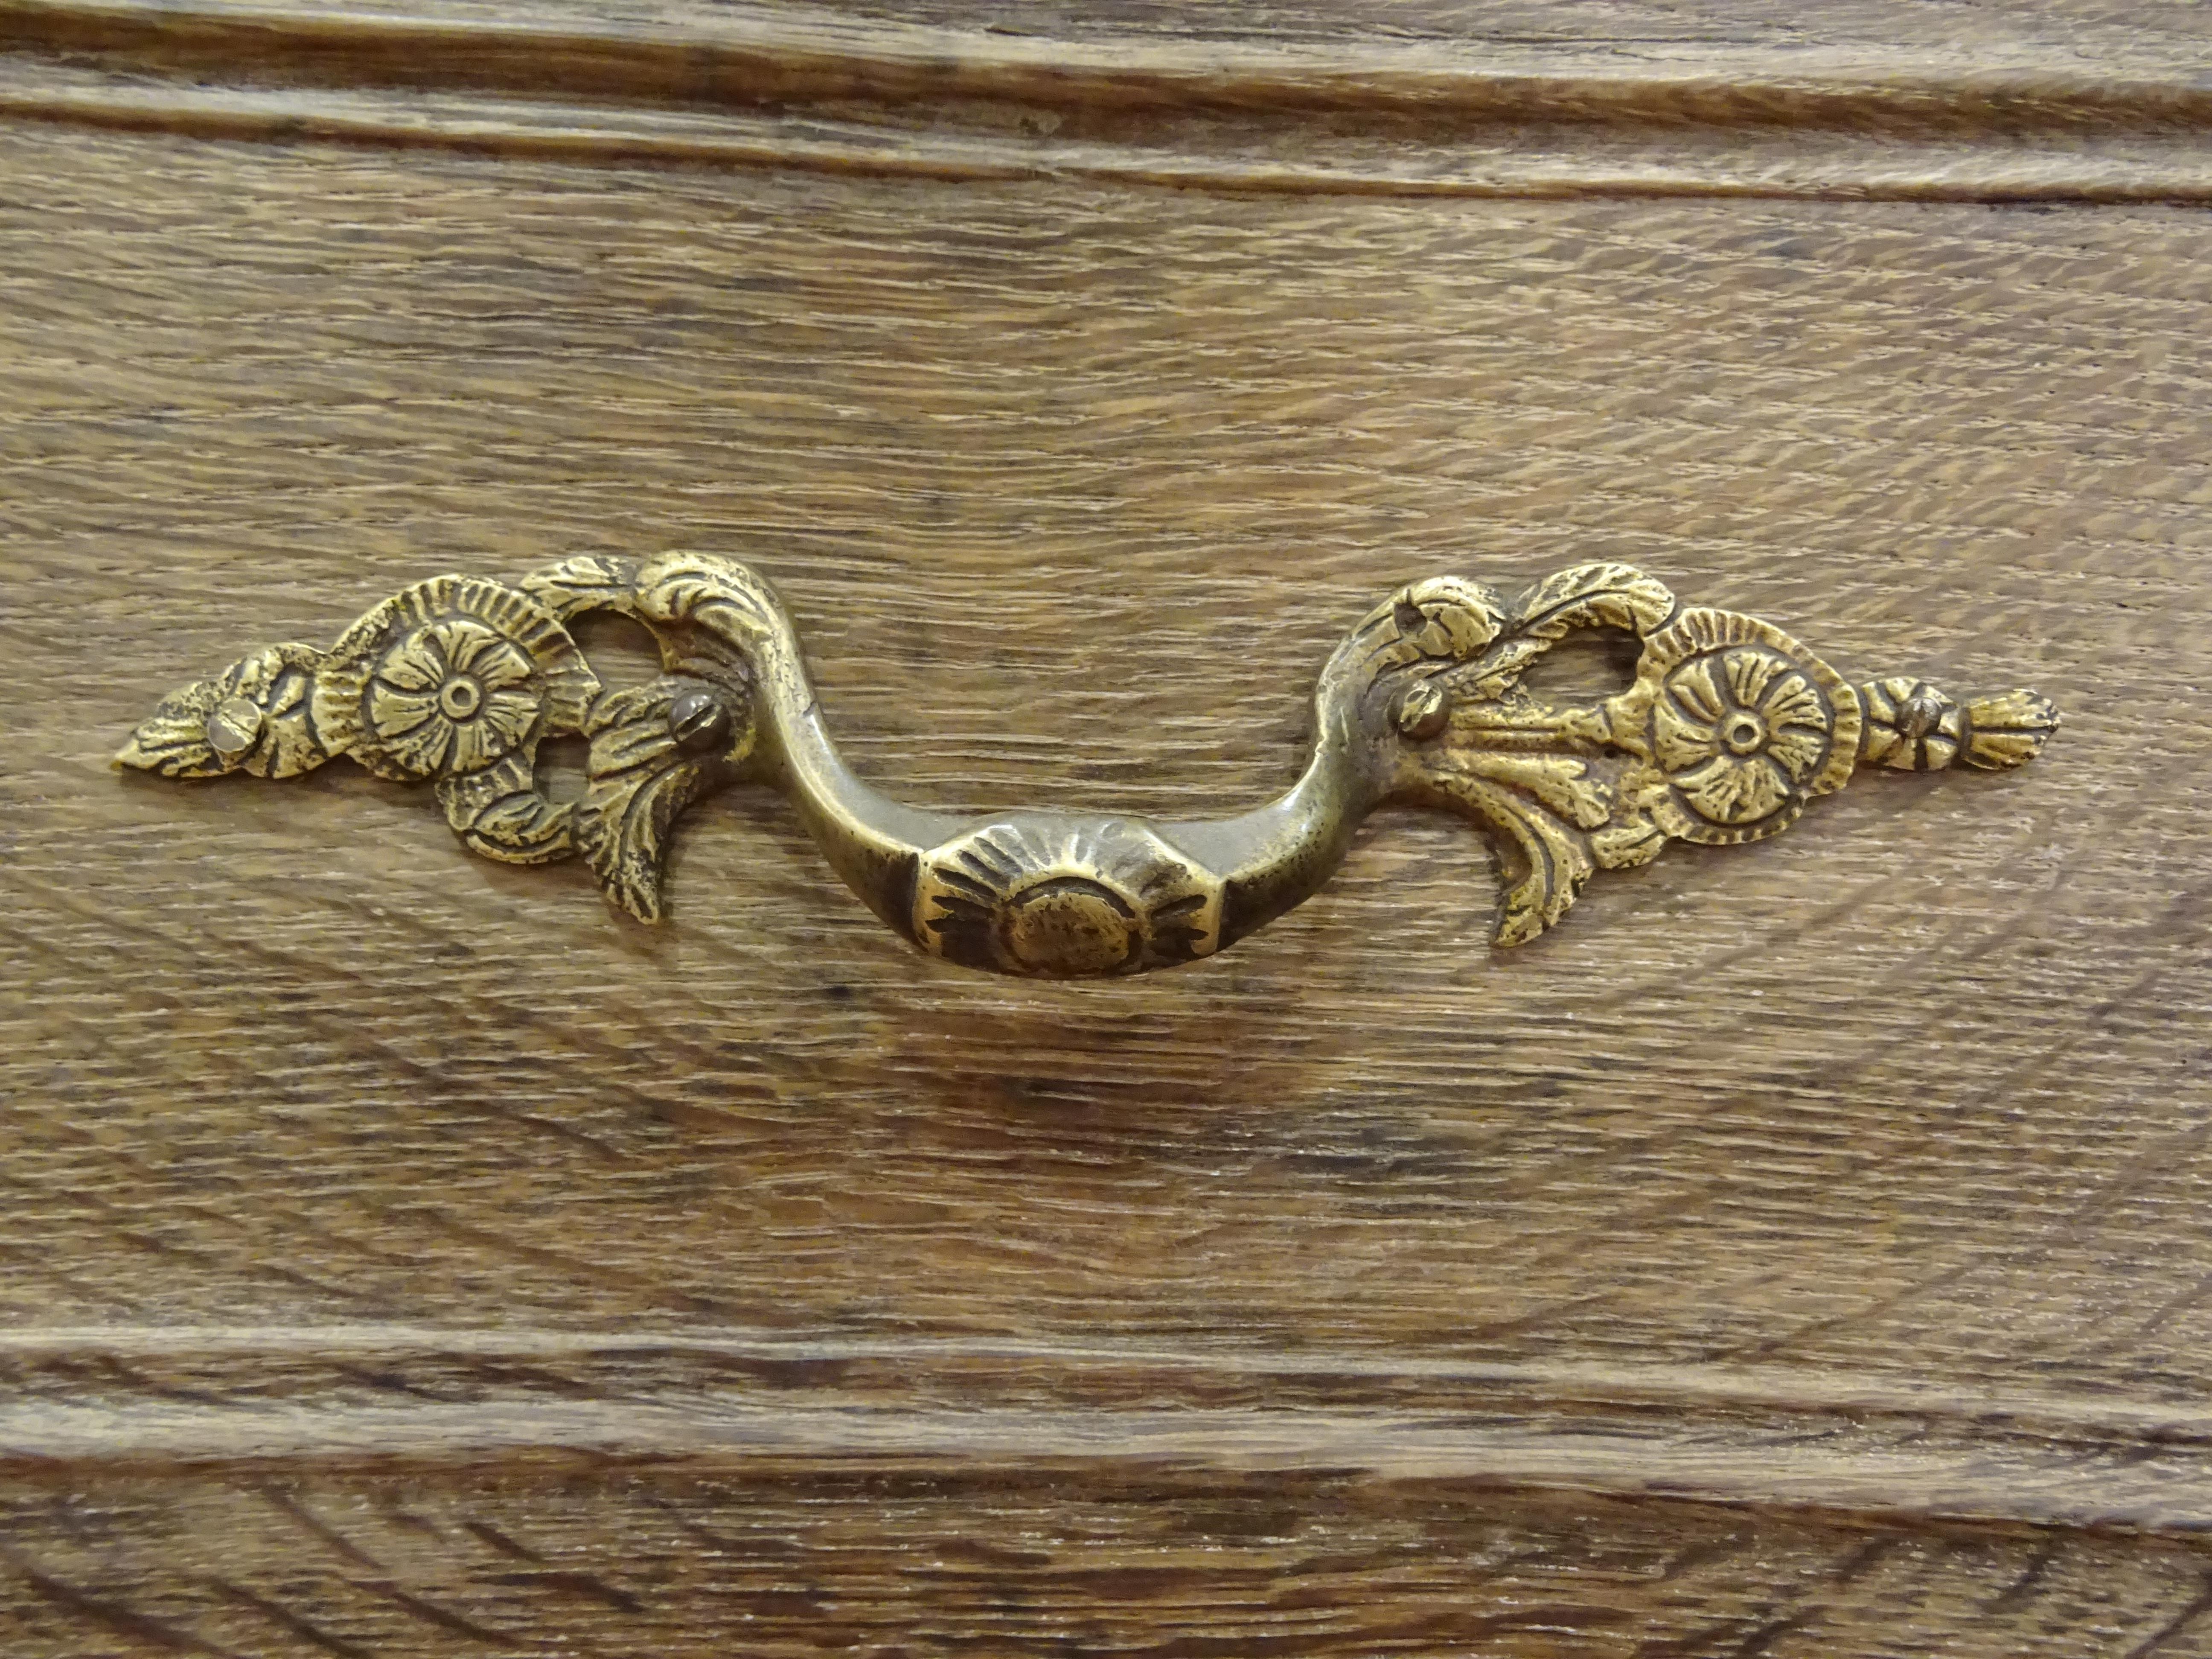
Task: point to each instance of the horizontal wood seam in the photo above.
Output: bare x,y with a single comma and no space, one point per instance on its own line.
1675,1386
1807,166
782,55
791,89
143,1402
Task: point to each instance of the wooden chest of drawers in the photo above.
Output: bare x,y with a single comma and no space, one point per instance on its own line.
1801,1249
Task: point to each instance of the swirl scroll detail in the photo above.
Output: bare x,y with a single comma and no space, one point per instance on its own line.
1729,729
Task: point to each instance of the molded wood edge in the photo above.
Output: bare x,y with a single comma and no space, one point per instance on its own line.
1555,161
381,1397
753,53
757,85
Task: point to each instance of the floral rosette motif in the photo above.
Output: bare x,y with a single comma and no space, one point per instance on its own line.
455,680
1746,726
1662,724
448,677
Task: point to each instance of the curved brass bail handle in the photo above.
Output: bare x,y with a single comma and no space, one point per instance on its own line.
1728,730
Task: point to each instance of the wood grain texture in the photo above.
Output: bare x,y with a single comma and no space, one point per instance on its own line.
1488,55
957,1559
1801,1251
1866,102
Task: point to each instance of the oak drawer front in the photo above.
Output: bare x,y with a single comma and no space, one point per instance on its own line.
1796,1250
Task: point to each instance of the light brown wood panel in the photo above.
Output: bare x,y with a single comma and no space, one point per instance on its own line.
1070,492
957,1559
1801,1250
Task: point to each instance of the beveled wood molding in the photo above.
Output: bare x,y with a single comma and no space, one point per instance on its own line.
1727,729
1987,118
751,53
246,1402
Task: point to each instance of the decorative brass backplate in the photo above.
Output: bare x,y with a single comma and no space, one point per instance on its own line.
1729,728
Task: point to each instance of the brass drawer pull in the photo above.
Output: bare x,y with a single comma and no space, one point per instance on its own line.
1729,727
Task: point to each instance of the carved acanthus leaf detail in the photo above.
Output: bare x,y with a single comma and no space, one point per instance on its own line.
655,749
253,717
1729,729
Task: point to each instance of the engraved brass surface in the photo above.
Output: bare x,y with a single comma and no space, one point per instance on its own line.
1728,730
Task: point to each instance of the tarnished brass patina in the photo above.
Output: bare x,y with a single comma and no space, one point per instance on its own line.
1729,729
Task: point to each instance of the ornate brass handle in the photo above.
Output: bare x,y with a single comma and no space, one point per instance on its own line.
1729,729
